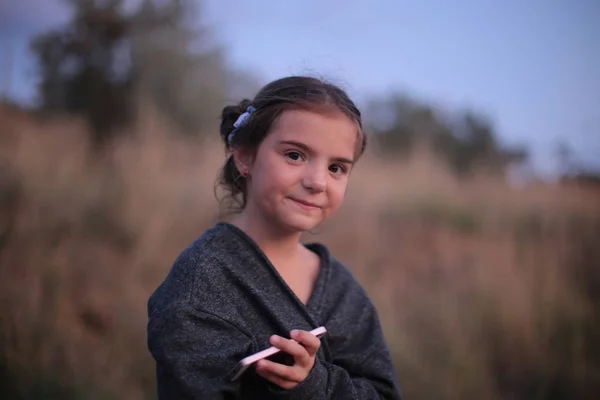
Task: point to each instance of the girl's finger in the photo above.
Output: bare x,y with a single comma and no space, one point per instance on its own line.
285,372
309,341
276,379
298,351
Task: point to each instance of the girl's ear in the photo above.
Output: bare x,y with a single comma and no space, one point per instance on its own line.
243,161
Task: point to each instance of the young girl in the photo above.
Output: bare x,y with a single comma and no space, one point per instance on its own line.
250,283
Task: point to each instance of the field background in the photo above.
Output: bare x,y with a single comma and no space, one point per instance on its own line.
485,290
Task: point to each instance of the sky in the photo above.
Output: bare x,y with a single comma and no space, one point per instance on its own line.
532,66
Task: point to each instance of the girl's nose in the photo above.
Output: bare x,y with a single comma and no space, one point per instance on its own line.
315,180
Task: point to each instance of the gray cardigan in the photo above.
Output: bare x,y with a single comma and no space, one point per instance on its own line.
221,301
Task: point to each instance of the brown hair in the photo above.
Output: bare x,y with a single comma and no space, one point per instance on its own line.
292,92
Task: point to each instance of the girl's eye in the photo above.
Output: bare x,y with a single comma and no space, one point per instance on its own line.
337,169
294,155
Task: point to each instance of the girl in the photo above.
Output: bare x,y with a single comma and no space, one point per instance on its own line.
247,284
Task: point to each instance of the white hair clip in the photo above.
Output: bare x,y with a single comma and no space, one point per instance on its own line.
241,122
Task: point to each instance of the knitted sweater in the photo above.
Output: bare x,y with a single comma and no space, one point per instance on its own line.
223,299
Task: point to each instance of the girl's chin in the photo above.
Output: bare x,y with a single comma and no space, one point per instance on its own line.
300,223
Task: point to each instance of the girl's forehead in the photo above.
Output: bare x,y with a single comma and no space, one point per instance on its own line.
312,116
303,123
329,137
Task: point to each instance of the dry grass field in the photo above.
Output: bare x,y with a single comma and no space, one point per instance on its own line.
485,290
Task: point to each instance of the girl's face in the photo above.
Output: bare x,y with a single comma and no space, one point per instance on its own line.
299,175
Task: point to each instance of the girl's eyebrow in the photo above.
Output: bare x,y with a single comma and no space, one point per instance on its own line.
309,150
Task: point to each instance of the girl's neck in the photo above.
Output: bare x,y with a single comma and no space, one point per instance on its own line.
276,243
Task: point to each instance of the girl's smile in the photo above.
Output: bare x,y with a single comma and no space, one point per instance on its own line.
305,205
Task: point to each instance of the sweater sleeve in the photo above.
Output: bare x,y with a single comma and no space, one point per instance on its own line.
362,369
195,352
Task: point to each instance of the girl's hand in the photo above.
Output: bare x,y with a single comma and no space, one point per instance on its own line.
303,349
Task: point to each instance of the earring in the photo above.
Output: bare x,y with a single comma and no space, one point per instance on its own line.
245,173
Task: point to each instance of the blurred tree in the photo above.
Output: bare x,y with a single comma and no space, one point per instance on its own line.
176,65
392,119
242,83
464,141
573,171
564,155
105,62
79,66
